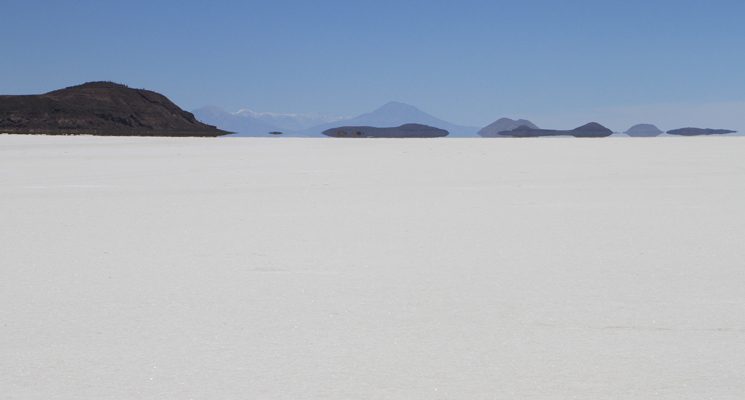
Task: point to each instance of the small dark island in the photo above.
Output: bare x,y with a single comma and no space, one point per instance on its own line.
591,130
699,131
99,108
403,131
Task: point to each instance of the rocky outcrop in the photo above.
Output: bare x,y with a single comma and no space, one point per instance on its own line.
643,130
99,108
699,131
591,130
503,125
403,131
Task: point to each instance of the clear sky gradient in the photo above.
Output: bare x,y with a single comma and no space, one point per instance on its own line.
557,63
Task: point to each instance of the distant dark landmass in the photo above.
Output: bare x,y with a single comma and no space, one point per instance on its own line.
699,131
395,114
503,125
99,108
643,130
403,131
593,129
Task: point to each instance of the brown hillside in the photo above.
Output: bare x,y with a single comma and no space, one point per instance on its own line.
99,108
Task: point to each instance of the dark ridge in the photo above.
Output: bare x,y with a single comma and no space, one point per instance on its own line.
591,130
699,131
99,108
403,131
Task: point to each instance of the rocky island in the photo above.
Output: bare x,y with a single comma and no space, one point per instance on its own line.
403,131
591,130
99,108
699,131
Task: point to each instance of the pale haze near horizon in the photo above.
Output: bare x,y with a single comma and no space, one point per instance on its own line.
559,64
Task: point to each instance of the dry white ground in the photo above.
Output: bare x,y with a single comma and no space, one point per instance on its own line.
238,268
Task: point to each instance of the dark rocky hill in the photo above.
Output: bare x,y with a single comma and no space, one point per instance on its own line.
699,131
593,129
643,130
504,124
403,131
99,108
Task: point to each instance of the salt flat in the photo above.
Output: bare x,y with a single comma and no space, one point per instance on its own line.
238,268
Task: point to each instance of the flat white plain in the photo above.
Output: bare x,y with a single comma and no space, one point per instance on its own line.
235,268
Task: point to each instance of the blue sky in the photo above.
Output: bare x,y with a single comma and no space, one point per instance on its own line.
559,63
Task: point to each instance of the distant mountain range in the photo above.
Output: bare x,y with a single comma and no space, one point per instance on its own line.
292,122
106,108
240,125
393,114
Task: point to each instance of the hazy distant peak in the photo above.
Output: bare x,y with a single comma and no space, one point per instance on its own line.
271,114
395,105
400,110
396,113
213,115
212,108
643,130
291,121
505,124
247,112
243,125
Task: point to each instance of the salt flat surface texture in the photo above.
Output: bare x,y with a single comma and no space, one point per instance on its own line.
239,268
